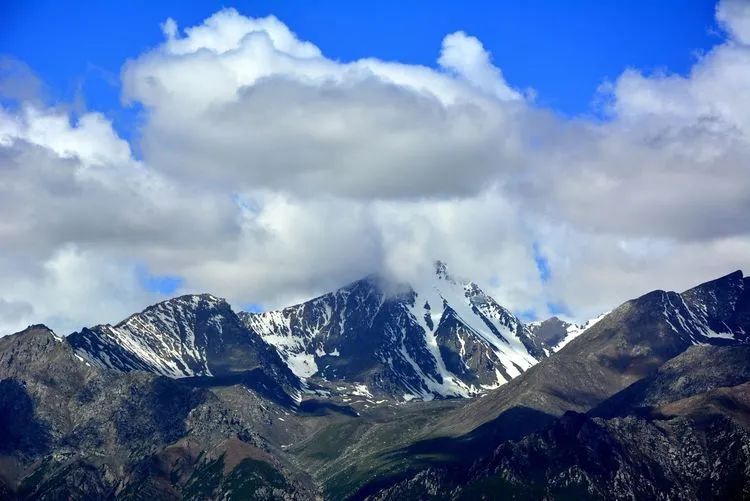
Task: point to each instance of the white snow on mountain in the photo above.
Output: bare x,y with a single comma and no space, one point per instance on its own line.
463,298
575,330
161,339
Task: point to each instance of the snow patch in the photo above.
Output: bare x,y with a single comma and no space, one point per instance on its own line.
361,390
302,364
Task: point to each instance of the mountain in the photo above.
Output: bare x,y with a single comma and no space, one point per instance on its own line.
187,336
682,433
442,338
626,348
626,345
372,338
715,312
185,400
554,333
73,430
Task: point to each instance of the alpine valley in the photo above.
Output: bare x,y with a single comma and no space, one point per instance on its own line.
385,390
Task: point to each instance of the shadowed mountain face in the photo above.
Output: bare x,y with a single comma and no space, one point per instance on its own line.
682,433
441,338
696,371
186,400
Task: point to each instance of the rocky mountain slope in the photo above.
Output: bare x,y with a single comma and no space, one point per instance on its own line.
683,433
627,345
75,430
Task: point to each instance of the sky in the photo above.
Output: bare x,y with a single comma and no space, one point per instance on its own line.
562,50
565,155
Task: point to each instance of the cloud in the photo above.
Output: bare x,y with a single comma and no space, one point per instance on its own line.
466,57
78,183
17,81
673,157
734,15
243,102
11,312
72,190
271,173
70,289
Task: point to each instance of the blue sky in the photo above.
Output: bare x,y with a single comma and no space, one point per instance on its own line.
562,49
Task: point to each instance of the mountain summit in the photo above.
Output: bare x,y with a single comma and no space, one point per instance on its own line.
440,338
187,336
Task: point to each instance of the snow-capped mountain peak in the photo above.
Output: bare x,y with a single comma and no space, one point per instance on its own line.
555,333
168,338
186,336
438,337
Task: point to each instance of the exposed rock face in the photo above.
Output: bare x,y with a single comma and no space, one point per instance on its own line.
682,433
443,338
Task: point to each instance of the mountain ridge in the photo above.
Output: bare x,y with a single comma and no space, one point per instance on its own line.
196,335
657,369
